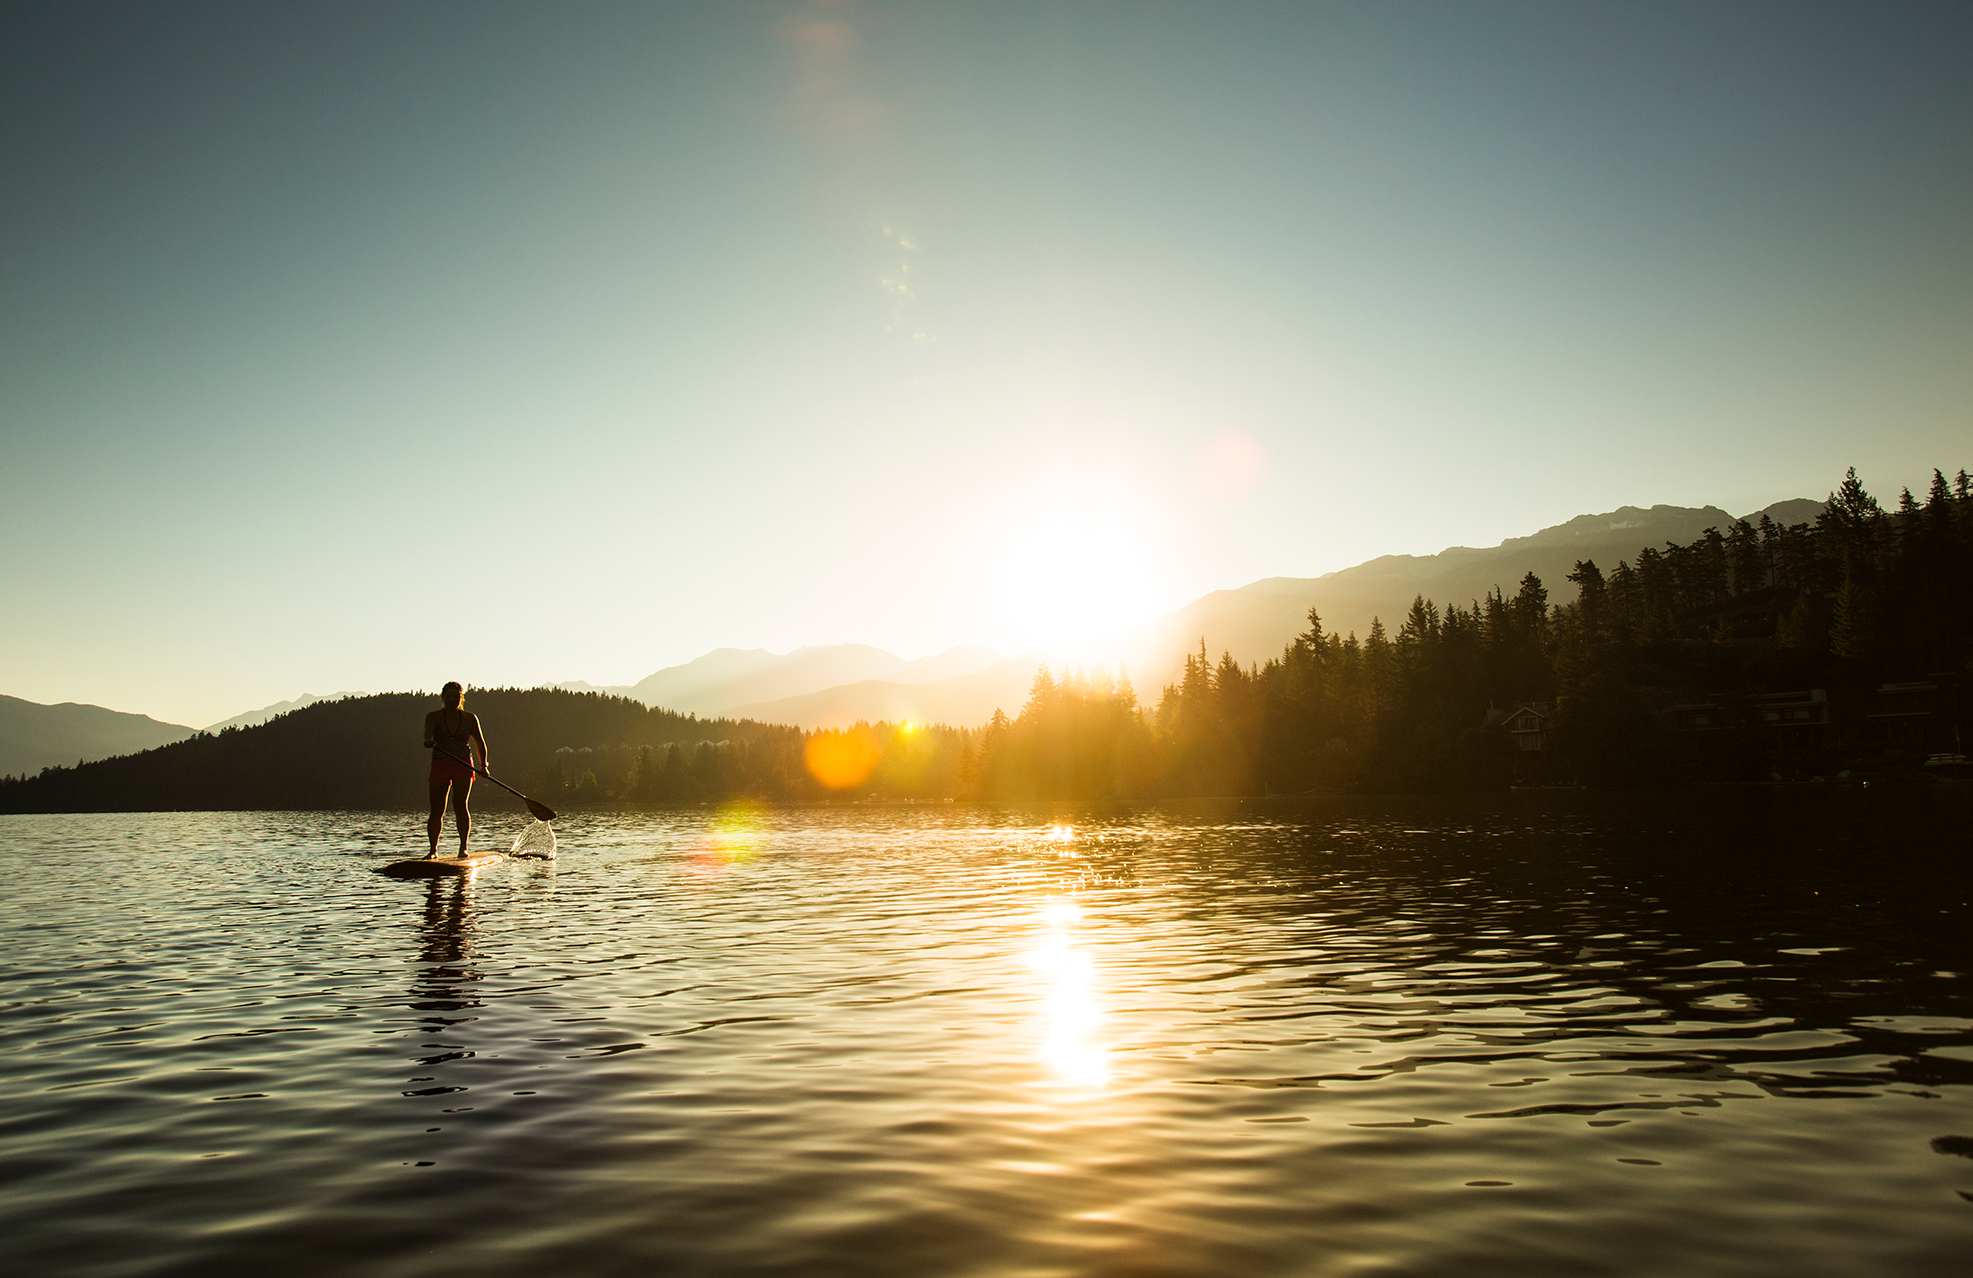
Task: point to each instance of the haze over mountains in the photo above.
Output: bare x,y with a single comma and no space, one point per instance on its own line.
715,684
964,700
1253,622
835,685
34,736
252,717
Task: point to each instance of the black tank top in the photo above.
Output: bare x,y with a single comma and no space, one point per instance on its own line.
452,732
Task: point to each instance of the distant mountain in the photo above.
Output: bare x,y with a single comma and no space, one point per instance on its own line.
963,701
726,678
34,736
966,659
608,690
1257,620
262,715
696,687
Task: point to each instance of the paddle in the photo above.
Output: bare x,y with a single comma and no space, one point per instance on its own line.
542,812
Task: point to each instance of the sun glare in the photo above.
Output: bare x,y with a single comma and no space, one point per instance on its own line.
1068,574
1070,1038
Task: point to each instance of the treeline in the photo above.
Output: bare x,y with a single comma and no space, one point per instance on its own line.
1860,597
885,760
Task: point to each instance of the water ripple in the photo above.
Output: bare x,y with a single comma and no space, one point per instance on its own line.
1682,1034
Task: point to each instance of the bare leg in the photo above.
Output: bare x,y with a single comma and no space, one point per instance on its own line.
460,816
436,821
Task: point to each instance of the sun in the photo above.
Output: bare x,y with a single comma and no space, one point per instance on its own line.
1067,573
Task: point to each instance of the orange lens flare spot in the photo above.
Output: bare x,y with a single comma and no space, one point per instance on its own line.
839,759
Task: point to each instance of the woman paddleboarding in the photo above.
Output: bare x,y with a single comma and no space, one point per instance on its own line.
452,734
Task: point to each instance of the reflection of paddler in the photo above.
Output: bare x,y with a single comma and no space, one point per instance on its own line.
452,734
446,982
444,940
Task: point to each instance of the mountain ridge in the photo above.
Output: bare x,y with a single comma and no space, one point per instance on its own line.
251,718
721,681
34,736
1255,621
960,701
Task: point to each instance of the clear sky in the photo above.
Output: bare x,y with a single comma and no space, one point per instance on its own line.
366,346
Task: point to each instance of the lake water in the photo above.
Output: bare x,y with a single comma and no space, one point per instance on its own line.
1680,1034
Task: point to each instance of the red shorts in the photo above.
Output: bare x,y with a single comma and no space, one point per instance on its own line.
452,773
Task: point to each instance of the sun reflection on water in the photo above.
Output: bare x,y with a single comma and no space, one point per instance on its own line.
1071,1036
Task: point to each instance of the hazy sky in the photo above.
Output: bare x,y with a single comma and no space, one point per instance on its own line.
356,346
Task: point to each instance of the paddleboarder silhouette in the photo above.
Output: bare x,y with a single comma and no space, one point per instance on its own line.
452,734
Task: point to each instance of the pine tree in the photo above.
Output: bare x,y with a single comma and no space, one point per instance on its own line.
1377,675
1853,632
1531,606
1745,567
1592,598
1041,691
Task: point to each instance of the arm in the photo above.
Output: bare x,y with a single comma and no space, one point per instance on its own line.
431,728
479,743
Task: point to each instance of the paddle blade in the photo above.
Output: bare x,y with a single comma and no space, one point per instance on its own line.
542,812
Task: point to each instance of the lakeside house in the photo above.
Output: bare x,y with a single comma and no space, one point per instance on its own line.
1747,734
1781,722
1530,727
1921,716
1918,716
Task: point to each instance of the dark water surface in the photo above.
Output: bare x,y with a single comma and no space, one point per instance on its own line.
1679,1034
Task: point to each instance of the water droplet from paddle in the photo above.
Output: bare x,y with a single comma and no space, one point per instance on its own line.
537,841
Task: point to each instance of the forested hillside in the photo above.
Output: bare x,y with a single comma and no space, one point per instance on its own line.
366,752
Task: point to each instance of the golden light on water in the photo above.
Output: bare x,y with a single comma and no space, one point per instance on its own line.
1071,1033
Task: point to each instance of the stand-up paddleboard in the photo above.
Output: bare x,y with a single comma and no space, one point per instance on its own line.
433,867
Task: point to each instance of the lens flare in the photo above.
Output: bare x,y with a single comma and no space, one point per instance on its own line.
841,758
734,836
1231,464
